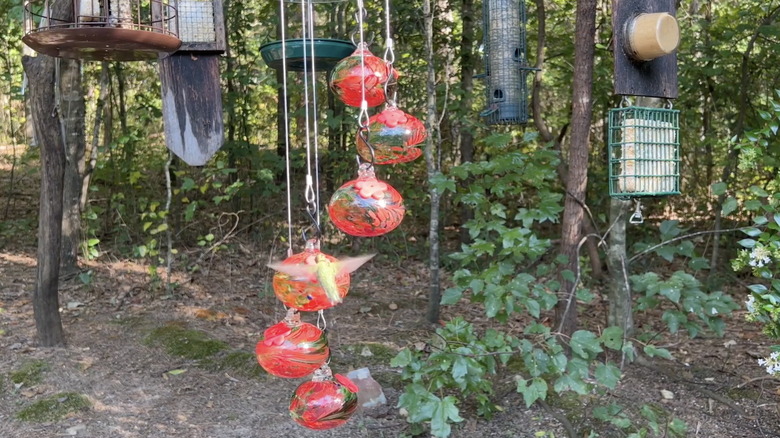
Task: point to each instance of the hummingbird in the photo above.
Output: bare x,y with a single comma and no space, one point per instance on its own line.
324,271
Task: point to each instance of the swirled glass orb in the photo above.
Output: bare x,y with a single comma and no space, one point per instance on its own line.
365,206
292,349
392,133
307,294
361,74
324,402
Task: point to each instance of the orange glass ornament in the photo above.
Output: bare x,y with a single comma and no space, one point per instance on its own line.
325,402
292,348
307,295
365,206
361,74
391,133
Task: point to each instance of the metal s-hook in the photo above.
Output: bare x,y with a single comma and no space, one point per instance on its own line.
363,134
637,218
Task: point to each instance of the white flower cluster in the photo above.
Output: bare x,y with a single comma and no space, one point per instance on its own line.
759,257
772,363
750,304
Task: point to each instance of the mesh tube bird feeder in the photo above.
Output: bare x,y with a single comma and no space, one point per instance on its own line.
116,30
506,65
644,152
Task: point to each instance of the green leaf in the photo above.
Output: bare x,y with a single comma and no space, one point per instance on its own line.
187,184
585,344
653,351
758,191
451,296
176,372
402,359
669,228
670,292
719,188
667,252
612,337
567,382
535,390
442,183
747,243
729,206
678,427
607,375
460,368
444,411
189,212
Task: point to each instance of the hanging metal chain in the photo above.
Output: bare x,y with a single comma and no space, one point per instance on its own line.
282,26
389,58
311,191
360,16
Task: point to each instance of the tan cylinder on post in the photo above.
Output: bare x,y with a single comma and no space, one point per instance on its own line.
651,36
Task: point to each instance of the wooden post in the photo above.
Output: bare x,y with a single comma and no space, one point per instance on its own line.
46,124
652,36
192,105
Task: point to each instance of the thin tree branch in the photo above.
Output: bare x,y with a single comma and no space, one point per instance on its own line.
687,236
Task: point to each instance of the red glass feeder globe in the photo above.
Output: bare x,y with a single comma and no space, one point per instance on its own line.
307,294
324,402
366,207
392,134
361,74
292,348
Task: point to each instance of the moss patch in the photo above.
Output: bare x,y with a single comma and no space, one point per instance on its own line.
30,374
381,354
744,393
54,408
182,342
241,363
131,322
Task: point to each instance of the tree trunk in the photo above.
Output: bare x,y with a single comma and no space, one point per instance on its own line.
73,109
46,124
467,89
577,178
620,303
434,297
100,111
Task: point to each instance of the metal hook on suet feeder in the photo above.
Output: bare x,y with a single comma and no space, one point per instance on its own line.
637,218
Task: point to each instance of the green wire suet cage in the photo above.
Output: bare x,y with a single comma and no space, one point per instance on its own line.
644,152
506,65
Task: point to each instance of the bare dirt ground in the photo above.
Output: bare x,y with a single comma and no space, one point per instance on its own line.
718,388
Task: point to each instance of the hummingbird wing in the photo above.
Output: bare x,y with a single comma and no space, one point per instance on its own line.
297,271
348,265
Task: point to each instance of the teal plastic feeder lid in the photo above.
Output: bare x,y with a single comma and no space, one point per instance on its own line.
327,52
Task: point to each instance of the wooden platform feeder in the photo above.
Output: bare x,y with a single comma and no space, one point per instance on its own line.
644,152
506,65
115,30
